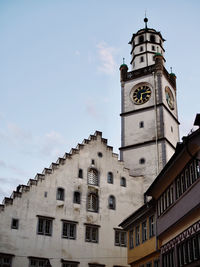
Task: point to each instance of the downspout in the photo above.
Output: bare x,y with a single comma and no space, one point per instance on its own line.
156,123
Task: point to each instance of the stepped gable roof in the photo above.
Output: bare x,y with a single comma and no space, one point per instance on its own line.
55,165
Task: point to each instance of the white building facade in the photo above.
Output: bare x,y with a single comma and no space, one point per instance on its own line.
69,215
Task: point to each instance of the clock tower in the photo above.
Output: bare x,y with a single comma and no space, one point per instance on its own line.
149,118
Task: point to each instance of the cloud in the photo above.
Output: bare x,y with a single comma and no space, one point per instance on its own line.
108,65
18,133
16,170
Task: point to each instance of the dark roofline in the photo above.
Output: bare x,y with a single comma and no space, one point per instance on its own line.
179,148
137,214
149,30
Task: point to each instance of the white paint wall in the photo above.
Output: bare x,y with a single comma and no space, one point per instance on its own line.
26,242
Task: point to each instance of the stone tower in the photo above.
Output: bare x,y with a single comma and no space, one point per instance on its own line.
149,118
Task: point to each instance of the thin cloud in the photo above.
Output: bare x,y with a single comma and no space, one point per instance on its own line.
105,52
18,132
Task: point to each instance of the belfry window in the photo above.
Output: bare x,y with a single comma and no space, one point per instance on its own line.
93,177
153,48
141,39
141,59
141,48
141,124
152,38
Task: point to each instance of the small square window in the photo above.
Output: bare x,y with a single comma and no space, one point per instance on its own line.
15,224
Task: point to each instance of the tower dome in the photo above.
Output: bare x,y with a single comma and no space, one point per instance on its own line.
145,43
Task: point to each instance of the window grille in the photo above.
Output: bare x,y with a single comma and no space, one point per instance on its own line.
93,177
92,202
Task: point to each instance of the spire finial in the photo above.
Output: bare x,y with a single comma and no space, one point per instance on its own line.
171,69
145,19
123,60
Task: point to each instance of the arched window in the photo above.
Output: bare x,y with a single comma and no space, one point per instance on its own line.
60,194
141,48
111,203
77,197
123,181
141,39
142,161
152,38
110,178
93,177
80,173
92,202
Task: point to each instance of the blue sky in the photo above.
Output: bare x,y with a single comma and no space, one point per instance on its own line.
59,74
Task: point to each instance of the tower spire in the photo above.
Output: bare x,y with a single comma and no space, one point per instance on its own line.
145,20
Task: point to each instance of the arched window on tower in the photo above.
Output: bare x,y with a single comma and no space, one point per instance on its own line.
111,203
60,195
92,202
141,59
152,38
141,39
110,178
93,177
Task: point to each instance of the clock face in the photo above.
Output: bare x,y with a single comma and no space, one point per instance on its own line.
141,94
169,97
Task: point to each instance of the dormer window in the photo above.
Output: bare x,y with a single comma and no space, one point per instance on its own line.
141,39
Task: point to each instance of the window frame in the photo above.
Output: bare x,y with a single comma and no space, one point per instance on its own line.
151,226
68,226
60,194
17,223
144,231
90,202
92,229
123,181
119,236
111,204
110,178
44,225
75,197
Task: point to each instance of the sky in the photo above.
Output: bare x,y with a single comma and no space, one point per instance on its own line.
59,74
